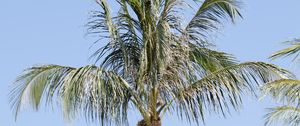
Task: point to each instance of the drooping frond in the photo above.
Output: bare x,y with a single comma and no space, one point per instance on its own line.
287,115
222,89
30,86
284,90
294,49
97,94
209,17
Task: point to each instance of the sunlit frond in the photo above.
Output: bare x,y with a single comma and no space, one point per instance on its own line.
222,89
284,90
209,17
294,49
98,94
287,115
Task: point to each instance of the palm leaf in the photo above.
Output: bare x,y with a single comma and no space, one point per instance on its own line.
284,90
222,89
90,90
209,17
211,60
292,50
287,115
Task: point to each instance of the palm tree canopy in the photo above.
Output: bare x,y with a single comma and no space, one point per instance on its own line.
151,62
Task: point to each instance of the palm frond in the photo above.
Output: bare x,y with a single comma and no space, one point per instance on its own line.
121,54
294,49
170,13
287,115
211,60
138,7
102,24
209,17
91,91
222,89
284,90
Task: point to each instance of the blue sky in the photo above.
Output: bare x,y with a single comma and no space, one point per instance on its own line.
52,31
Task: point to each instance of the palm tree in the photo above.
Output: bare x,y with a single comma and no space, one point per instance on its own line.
286,91
152,63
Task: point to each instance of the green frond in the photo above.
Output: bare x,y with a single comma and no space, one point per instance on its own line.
211,60
107,21
102,24
287,115
170,12
294,49
30,86
209,17
222,89
284,90
91,91
121,54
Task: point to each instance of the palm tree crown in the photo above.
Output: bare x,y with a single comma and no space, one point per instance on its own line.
151,62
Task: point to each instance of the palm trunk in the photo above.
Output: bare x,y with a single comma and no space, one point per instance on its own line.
154,122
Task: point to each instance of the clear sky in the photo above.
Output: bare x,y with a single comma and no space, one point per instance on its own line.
52,31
